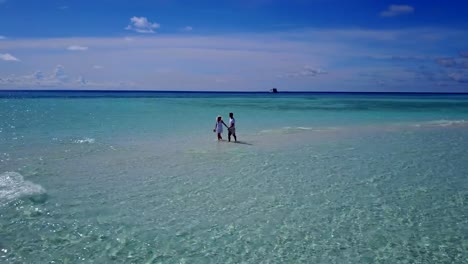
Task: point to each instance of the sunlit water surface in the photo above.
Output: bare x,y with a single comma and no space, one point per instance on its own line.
313,179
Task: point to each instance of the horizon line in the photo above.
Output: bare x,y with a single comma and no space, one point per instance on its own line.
238,92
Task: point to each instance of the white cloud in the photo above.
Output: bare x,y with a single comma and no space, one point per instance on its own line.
8,57
142,25
2,37
77,48
396,10
187,28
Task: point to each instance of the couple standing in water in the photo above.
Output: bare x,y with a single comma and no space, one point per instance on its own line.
231,128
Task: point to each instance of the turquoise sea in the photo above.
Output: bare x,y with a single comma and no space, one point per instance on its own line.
102,177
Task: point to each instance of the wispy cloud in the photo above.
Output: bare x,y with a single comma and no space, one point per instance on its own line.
38,75
446,62
142,25
59,74
250,60
81,80
2,37
77,48
399,57
8,57
396,10
97,67
187,28
57,78
460,62
461,77
306,71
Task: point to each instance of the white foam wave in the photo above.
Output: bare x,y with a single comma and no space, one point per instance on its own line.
290,130
85,140
285,130
13,186
442,123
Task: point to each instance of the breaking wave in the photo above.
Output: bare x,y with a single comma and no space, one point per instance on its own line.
442,123
84,141
13,186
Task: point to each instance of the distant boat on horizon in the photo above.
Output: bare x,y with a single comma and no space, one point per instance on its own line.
273,90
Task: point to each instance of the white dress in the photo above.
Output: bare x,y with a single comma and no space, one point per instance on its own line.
219,126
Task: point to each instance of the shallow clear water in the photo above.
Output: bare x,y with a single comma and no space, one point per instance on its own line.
314,179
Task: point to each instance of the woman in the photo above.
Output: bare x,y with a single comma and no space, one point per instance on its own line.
219,127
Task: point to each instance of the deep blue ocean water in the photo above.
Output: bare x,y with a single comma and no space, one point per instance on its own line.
139,177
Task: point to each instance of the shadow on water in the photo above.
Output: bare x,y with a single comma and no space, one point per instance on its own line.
242,142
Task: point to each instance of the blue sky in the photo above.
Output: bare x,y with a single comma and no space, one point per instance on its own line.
296,45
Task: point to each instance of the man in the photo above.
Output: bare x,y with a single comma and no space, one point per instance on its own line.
232,127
